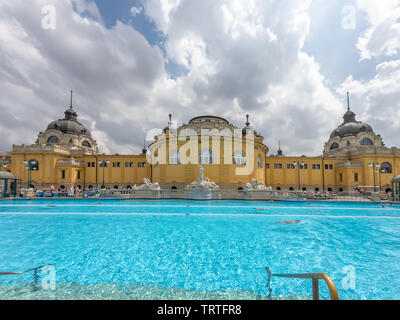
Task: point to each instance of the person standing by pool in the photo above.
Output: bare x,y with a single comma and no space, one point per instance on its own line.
71,192
77,191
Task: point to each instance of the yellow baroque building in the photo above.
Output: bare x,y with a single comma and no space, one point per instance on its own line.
66,154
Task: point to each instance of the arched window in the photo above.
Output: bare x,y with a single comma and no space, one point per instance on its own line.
291,189
86,144
334,146
116,187
129,187
174,157
53,139
259,162
386,167
239,158
366,142
206,156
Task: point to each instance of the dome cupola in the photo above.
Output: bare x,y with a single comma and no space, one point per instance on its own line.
69,124
350,126
248,129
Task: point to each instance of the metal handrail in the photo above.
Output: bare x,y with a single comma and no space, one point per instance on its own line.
22,272
315,282
35,281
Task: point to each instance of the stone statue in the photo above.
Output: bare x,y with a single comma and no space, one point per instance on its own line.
202,182
147,186
257,186
201,172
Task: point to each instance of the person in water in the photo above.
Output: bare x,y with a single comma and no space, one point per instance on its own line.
289,222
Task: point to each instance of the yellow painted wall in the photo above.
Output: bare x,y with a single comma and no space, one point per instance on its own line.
51,173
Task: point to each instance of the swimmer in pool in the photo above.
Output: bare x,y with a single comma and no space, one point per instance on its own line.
51,206
289,222
100,203
260,209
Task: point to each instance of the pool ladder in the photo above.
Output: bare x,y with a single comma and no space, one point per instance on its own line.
35,274
315,277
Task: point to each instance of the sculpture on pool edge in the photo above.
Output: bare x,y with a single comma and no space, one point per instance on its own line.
257,186
202,183
147,186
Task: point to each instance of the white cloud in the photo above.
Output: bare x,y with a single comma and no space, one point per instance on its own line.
160,12
377,100
136,10
383,36
249,54
240,57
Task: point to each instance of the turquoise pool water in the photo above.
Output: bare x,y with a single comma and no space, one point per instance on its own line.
189,249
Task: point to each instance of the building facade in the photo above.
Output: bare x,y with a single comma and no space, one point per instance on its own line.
66,154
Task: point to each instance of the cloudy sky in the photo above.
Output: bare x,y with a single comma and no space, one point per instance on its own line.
287,63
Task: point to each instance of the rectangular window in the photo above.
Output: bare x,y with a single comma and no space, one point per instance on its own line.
78,175
63,174
142,164
126,164
341,177
304,166
316,167
131,164
326,167
103,164
89,164
267,166
278,166
118,164
356,177
331,167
